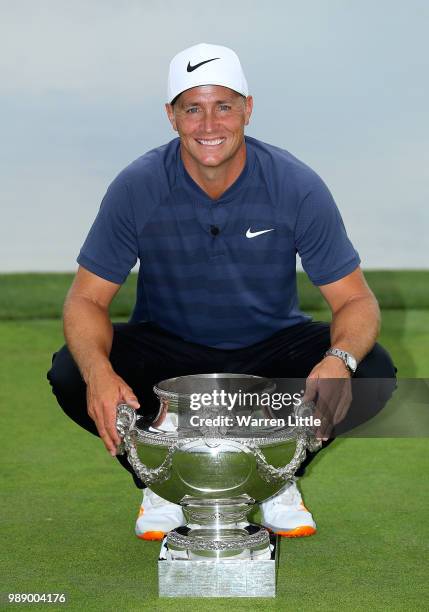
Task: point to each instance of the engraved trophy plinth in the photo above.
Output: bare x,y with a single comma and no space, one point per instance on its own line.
217,474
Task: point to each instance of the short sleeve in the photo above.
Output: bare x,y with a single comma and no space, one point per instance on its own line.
326,253
111,248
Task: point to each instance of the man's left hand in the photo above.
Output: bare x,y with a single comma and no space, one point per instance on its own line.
329,386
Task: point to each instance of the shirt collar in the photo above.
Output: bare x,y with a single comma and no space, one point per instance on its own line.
227,195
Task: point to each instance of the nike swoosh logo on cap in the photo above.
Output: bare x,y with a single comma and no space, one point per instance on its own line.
250,234
192,68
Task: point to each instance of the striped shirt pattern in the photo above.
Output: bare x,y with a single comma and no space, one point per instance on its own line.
221,273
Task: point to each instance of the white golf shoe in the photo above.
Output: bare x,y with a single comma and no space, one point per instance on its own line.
286,515
157,516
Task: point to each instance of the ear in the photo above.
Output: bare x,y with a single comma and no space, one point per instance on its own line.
170,113
248,108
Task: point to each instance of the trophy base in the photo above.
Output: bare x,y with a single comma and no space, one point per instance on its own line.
218,578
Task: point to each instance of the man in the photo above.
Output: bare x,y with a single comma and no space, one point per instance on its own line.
216,220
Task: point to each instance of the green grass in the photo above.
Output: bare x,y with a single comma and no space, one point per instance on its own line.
405,334
35,296
68,508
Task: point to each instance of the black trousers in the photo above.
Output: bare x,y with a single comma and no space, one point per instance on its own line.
144,354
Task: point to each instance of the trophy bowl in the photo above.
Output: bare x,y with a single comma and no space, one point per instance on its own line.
217,472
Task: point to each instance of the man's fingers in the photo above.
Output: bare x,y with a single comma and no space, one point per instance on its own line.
103,397
324,430
110,426
105,421
107,440
325,427
325,409
341,411
312,394
311,385
129,398
343,407
325,434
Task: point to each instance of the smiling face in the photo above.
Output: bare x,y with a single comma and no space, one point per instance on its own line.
210,120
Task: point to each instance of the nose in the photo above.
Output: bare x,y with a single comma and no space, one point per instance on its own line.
209,121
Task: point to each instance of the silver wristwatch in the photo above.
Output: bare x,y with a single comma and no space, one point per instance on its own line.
348,359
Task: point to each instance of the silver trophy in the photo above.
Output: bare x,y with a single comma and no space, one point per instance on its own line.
217,472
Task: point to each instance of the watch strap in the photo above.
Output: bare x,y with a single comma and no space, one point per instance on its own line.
343,355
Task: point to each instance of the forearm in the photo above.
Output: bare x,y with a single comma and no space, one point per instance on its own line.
89,333
356,325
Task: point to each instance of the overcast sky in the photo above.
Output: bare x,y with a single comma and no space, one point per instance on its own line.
341,84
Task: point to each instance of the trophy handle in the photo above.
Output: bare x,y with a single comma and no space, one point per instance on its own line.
125,422
271,474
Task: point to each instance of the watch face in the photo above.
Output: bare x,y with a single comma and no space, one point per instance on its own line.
351,362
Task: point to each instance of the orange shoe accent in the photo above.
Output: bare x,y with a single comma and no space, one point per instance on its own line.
152,535
298,532
141,512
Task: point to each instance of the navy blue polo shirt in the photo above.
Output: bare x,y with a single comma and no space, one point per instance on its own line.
221,273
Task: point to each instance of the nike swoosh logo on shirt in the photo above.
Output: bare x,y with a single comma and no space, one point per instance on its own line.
192,68
250,234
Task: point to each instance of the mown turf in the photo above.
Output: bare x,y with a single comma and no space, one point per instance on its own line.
35,296
405,334
68,508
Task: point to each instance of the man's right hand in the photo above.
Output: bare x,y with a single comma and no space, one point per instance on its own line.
105,390
89,336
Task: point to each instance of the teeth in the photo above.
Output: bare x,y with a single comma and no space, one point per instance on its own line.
211,142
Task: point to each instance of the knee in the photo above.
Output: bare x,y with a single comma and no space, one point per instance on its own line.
377,364
64,374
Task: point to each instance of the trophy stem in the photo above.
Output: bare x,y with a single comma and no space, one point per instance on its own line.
216,513
218,528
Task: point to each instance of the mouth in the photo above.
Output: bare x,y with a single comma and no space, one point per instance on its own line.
210,142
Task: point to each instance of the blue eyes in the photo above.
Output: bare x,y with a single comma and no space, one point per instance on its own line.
195,109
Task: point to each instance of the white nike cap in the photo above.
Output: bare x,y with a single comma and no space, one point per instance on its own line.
205,64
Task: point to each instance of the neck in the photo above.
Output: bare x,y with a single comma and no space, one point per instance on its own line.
215,180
